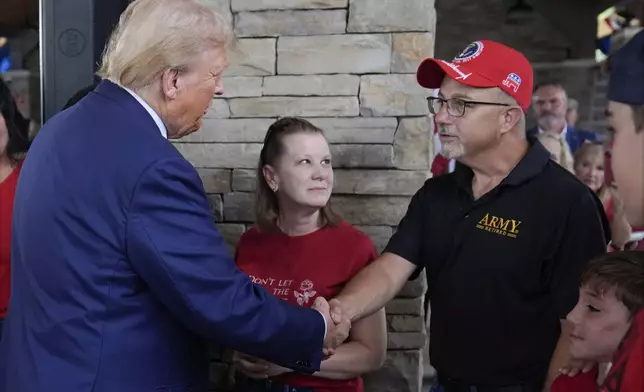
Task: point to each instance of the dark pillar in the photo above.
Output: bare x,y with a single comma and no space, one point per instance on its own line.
72,36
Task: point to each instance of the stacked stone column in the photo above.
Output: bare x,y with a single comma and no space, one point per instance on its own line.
348,66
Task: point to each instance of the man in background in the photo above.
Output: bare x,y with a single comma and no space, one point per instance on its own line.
550,104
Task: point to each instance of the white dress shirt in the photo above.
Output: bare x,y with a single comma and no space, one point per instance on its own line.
563,132
153,114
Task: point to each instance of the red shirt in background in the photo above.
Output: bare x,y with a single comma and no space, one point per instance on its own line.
582,382
7,192
299,269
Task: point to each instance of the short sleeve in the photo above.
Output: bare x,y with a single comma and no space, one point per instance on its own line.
365,253
407,240
241,243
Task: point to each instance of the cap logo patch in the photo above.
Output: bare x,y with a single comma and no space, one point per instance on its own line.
472,51
513,81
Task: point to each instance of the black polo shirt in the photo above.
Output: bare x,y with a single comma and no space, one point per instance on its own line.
502,270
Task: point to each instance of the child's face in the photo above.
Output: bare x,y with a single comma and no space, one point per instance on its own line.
600,322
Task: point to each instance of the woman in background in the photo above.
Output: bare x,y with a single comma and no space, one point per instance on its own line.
14,143
299,250
558,148
589,168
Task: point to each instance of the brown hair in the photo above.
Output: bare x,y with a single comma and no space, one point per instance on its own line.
620,271
266,206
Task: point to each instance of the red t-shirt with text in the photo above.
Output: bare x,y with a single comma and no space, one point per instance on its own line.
7,193
299,269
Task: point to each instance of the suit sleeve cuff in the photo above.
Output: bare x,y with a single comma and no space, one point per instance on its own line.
324,319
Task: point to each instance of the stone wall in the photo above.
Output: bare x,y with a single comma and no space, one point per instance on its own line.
348,66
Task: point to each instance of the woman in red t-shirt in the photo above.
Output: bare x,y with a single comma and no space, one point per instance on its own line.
14,142
299,250
589,168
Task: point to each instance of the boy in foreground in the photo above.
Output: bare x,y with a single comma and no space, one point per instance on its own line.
611,296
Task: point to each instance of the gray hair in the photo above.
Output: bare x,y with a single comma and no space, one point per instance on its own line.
550,84
153,36
510,100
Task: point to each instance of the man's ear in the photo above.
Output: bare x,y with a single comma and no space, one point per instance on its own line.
170,83
511,118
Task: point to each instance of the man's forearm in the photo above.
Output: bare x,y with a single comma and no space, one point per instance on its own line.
350,360
374,286
621,230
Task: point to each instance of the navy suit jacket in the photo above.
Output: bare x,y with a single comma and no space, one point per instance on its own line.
119,275
575,137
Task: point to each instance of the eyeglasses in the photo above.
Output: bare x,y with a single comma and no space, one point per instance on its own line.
455,106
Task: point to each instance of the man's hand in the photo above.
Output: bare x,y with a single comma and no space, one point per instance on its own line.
337,331
256,368
563,362
337,313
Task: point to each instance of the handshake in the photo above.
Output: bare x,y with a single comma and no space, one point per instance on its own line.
337,322
337,331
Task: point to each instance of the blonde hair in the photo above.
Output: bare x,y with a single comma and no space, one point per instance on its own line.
565,157
153,36
592,148
589,148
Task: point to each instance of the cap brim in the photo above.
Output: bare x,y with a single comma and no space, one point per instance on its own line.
431,72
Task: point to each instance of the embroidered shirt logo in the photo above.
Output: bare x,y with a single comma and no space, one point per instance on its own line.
501,226
305,293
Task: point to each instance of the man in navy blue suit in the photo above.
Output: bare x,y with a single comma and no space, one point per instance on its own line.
550,104
120,277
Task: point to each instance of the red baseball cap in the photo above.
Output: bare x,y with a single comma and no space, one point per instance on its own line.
483,64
